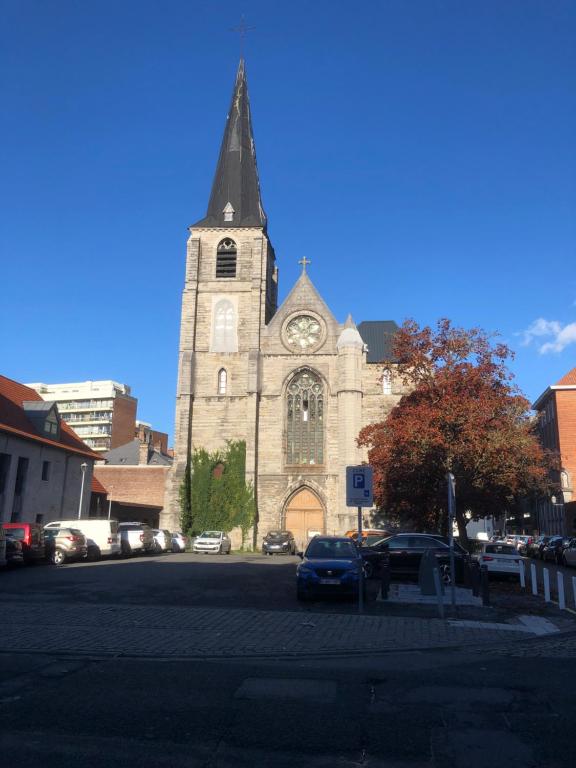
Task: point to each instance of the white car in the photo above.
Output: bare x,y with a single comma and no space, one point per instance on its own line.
179,542
102,536
498,557
162,540
212,541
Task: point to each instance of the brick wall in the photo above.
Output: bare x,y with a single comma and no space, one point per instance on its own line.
134,485
123,420
566,414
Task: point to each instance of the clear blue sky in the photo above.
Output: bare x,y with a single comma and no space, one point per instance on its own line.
421,152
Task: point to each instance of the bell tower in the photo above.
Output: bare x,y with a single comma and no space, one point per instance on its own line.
230,294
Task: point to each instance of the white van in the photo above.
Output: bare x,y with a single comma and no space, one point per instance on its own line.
103,537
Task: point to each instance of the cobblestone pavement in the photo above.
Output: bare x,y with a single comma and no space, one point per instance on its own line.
222,632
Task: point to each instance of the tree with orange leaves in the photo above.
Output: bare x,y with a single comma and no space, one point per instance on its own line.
463,414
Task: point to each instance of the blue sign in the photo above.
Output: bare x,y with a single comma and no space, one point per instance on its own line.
359,486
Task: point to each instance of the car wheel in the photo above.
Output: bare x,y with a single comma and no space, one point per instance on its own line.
368,570
58,556
93,554
445,574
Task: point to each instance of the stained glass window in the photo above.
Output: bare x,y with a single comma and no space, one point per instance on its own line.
305,419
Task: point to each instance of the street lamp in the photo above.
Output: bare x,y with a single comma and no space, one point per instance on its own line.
83,467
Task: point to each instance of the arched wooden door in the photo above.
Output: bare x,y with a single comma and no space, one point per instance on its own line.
304,516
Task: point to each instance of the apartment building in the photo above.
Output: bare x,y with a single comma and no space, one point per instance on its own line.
556,408
101,413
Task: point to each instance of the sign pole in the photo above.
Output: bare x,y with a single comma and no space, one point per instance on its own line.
359,493
361,565
451,515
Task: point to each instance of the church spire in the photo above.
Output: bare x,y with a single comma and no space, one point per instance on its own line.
235,198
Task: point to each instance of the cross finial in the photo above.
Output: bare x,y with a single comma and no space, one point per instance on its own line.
242,28
304,261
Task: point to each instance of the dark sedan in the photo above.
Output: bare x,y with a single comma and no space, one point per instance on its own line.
405,551
330,566
554,548
279,543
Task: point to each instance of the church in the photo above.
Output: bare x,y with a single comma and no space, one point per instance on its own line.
291,381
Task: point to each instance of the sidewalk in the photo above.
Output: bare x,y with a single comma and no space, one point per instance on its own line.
139,631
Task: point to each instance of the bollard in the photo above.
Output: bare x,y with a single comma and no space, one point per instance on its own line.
534,579
546,574
475,578
484,585
439,593
522,575
561,598
385,579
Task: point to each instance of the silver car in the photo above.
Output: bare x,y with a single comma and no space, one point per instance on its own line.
216,542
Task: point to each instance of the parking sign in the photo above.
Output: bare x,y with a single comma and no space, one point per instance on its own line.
359,486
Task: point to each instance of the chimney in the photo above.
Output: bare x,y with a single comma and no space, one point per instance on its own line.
143,452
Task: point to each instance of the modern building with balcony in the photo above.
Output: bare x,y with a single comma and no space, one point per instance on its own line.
101,413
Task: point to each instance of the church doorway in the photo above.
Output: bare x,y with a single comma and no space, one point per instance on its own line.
304,516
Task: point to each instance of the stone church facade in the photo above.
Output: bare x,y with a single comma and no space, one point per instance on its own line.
291,381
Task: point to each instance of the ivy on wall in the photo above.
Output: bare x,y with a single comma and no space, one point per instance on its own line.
214,494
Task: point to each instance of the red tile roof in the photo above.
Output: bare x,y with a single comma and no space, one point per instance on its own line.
14,420
97,486
569,378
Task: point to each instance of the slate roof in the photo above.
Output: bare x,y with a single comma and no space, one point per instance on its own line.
13,418
129,454
236,180
378,336
568,380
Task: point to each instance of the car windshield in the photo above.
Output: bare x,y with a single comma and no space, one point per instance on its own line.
210,535
331,549
277,534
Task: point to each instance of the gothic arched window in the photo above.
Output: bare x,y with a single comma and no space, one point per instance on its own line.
222,381
226,258
224,337
305,419
387,383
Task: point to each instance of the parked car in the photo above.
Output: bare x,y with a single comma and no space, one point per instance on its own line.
535,549
523,544
554,548
135,538
179,542
63,544
32,537
405,551
498,557
102,536
569,554
330,566
162,540
369,535
14,554
279,543
212,541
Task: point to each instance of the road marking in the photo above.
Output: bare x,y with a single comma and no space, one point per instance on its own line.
538,625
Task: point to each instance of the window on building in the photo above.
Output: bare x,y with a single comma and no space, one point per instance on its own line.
45,470
305,419
226,258
224,337
387,383
222,381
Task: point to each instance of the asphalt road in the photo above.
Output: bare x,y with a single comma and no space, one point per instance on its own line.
219,581
437,710
510,706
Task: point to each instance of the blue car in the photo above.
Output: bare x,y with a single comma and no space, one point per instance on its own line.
330,566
